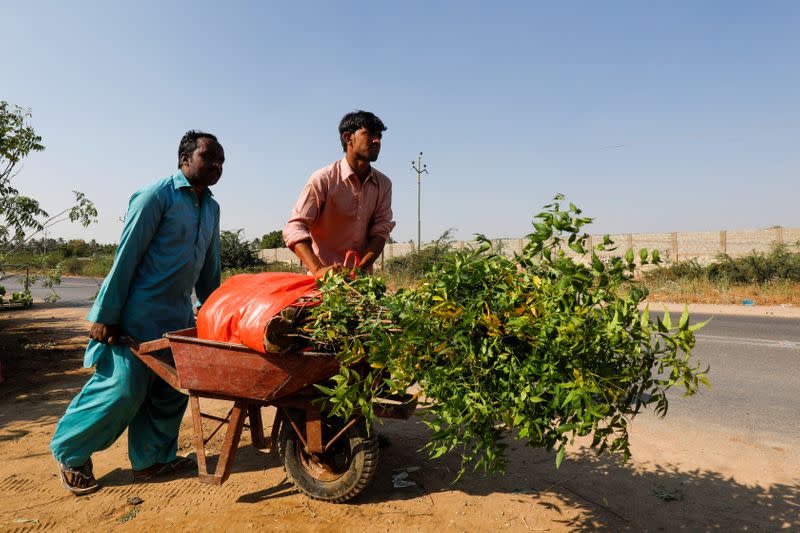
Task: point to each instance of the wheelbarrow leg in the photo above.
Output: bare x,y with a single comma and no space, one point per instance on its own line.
256,427
313,429
229,448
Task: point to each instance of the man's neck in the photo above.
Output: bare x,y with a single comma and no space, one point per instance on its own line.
361,167
198,189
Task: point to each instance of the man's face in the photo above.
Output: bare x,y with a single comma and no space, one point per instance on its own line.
363,144
204,166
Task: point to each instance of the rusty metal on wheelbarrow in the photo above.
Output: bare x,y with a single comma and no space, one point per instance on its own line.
234,370
154,355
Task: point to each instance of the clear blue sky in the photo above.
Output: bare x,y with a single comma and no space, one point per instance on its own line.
668,116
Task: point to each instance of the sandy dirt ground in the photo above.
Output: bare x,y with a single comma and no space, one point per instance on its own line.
691,479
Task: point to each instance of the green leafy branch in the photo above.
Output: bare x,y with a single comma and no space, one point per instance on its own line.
540,346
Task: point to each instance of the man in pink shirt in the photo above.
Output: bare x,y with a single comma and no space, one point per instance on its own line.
345,206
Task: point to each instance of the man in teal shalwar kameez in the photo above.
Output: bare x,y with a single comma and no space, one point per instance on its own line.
169,246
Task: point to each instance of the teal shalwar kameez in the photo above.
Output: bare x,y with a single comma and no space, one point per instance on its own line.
169,246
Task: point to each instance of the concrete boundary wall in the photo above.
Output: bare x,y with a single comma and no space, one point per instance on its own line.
702,246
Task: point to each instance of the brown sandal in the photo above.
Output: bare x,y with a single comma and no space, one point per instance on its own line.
79,480
176,466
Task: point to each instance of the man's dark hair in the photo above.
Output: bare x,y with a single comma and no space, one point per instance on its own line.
189,143
356,120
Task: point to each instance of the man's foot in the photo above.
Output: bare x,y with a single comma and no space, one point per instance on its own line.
176,466
79,480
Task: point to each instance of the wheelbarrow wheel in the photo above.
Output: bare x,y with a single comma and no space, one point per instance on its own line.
337,475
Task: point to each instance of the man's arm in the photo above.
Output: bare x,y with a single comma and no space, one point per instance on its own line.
209,278
373,251
297,232
313,264
141,223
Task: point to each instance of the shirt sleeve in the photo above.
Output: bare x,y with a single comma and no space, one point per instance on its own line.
306,211
382,223
141,223
212,267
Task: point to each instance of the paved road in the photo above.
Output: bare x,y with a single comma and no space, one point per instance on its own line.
755,376
72,291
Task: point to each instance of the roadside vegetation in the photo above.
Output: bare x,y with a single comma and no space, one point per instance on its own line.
771,278
409,269
241,257
75,257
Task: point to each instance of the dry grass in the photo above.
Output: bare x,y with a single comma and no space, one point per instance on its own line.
707,292
687,291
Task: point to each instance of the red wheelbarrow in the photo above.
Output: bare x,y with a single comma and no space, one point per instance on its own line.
327,459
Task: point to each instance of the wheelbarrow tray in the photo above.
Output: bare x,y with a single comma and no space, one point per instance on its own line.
213,368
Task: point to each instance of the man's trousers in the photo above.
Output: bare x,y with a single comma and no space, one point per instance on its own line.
122,393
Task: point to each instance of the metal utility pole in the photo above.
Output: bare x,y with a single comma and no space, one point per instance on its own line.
420,169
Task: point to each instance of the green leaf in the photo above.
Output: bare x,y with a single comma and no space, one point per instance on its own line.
684,318
597,264
560,456
577,247
629,256
667,320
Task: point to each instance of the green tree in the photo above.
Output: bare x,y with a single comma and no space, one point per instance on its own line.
273,239
77,248
21,217
236,252
17,139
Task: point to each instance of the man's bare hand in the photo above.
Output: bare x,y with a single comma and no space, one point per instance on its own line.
321,271
105,333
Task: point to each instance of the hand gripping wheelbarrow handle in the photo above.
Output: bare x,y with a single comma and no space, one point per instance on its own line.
163,366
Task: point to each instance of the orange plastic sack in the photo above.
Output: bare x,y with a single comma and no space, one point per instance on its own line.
238,311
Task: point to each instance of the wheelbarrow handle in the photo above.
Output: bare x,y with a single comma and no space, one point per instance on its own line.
163,367
150,346
144,347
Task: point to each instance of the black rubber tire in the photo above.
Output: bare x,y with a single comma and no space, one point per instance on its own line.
344,472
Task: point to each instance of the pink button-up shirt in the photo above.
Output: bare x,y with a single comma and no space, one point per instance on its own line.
339,213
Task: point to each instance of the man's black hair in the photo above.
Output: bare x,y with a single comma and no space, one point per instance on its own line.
189,143
356,120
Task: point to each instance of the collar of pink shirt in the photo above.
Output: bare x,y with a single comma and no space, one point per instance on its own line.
349,173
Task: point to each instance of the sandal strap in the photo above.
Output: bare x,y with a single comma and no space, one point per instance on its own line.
81,477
